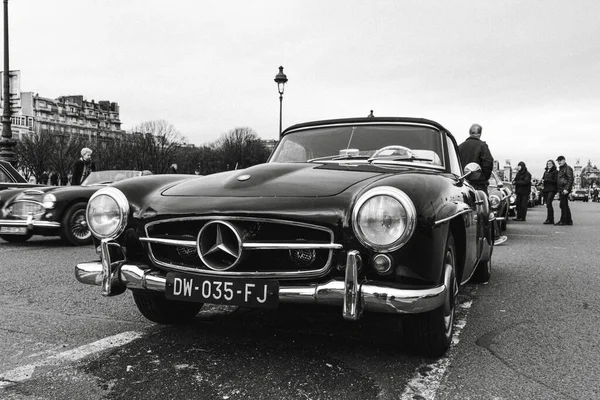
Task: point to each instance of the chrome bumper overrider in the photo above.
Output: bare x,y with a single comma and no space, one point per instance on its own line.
353,295
29,223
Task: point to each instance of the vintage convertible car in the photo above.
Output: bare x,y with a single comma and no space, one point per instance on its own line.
53,210
499,200
365,214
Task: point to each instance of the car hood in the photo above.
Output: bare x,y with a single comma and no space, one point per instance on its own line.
278,180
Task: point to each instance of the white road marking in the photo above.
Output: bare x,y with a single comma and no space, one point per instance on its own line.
25,372
424,386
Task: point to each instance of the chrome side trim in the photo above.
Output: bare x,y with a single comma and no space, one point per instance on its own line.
441,221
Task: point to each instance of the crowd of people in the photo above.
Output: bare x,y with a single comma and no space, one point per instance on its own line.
555,180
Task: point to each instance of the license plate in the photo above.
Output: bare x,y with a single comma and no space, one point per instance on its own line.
255,293
13,230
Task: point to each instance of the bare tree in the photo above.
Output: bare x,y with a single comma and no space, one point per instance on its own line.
33,153
241,148
67,149
157,143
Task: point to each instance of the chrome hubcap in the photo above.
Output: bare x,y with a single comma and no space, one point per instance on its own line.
79,227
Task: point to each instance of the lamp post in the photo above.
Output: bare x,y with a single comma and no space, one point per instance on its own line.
281,79
6,143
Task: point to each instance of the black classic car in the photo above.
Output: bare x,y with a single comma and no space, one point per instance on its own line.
365,214
499,200
53,210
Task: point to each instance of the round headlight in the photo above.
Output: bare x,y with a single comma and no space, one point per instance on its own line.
384,219
107,213
48,201
494,201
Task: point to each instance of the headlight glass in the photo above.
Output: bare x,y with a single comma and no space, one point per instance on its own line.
494,201
107,212
384,219
48,201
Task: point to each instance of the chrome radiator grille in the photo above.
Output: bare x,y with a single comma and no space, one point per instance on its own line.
237,246
23,209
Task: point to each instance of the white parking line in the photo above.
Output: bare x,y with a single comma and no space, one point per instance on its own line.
425,385
25,372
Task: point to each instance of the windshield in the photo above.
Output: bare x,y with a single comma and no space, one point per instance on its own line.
106,177
414,143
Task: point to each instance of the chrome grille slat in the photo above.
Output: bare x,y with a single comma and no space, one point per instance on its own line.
252,245
167,239
24,208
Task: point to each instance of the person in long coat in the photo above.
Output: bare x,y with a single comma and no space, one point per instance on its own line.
83,167
550,182
522,190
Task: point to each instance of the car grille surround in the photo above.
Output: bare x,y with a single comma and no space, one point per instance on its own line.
241,246
25,208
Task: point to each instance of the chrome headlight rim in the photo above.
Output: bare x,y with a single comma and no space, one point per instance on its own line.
123,206
494,201
405,202
49,201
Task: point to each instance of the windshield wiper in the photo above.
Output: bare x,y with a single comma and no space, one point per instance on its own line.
337,158
398,158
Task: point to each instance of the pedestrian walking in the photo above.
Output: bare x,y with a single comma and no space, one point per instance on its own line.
44,180
522,190
83,167
473,149
564,185
173,168
550,181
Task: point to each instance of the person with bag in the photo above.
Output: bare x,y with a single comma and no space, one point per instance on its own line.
550,181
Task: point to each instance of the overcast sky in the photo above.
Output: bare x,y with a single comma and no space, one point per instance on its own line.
527,71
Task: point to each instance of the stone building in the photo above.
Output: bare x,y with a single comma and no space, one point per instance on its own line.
30,113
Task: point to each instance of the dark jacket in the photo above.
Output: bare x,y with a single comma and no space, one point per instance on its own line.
550,180
476,150
81,170
523,181
565,178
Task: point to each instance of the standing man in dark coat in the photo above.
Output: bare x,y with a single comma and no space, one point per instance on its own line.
83,167
522,190
565,185
476,150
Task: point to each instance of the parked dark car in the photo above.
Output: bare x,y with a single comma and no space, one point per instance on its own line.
533,197
10,178
365,214
581,195
499,200
53,210
512,199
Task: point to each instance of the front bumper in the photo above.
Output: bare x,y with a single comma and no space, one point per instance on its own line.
353,295
30,223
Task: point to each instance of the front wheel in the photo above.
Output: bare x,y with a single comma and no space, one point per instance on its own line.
74,229
157,308
430,333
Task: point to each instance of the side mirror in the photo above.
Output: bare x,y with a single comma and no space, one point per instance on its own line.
470,168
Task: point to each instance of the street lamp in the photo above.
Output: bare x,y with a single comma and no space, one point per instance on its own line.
281,79
6,143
